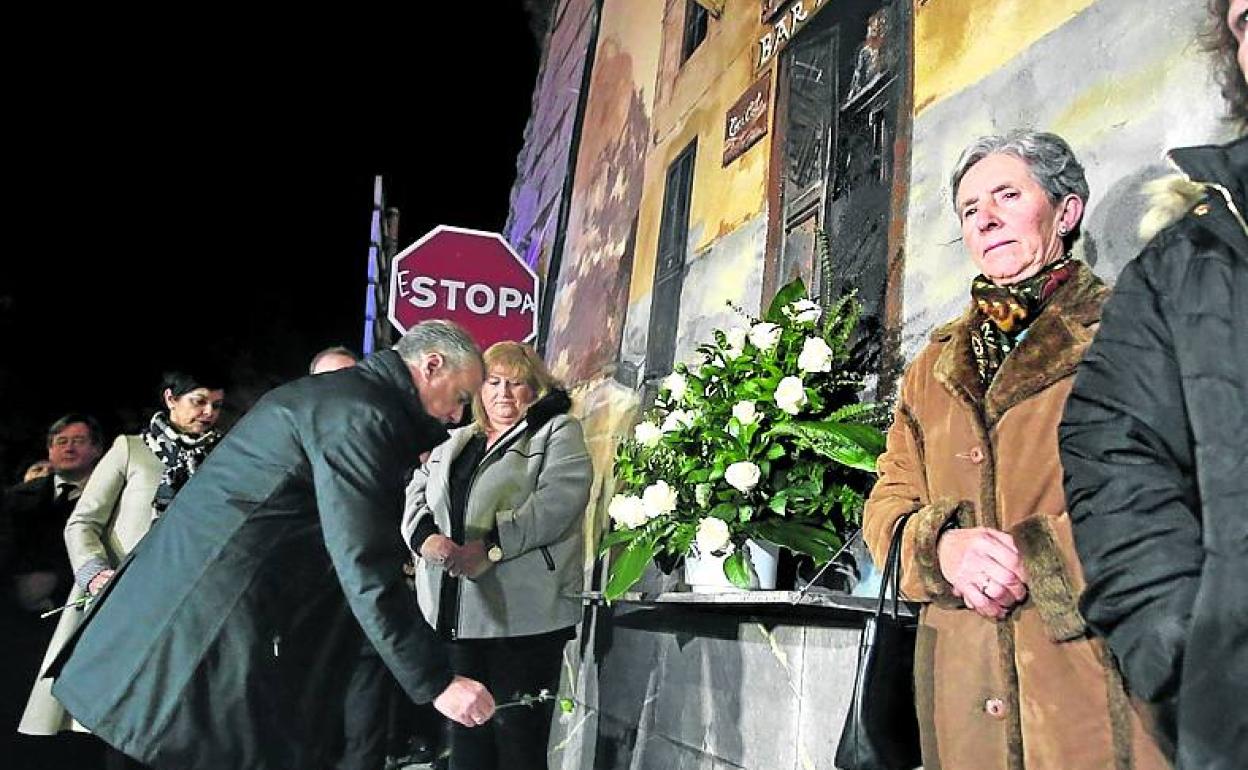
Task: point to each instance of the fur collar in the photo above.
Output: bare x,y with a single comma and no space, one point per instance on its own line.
1053,347
546,408
1205,173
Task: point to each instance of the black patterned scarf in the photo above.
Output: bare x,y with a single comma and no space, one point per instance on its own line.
181,454
1006,312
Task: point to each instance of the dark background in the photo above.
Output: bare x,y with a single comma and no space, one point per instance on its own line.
197,192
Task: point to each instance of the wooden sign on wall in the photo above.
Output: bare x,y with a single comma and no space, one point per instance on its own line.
746,121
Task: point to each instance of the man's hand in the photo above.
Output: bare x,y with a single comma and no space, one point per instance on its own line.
438,550
465,701
985,569
471,561
99,581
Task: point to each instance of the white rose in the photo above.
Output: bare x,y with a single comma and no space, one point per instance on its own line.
745,412
803,310
736,341
677,419
791,395
675,384
658,499
647,434
712,535
765,335
628,511
742,475
816,356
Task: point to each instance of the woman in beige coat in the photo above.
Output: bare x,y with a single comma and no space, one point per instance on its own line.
133,482
1006,675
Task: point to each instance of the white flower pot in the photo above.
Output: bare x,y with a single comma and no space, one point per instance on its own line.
705,573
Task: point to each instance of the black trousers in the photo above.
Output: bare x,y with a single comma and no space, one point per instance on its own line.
366,714
516,737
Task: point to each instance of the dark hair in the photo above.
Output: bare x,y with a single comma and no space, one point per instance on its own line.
334,350
1218,40
93,426
181,382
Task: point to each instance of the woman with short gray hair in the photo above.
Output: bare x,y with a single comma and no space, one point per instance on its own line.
1006,674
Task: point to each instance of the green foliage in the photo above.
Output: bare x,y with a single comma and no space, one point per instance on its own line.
765,433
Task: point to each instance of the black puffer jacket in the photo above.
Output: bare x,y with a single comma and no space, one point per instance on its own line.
1155,449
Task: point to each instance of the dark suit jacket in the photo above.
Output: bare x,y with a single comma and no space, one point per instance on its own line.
32,527
226,637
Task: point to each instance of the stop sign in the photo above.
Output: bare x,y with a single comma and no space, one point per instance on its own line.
467,276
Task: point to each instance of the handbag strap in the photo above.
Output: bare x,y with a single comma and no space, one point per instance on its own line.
892,570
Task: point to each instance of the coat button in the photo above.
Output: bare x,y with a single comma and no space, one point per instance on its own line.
976,455
995,708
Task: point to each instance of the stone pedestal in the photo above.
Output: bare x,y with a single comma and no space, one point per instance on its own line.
677,681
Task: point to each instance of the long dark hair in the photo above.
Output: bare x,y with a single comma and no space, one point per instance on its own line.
1218,40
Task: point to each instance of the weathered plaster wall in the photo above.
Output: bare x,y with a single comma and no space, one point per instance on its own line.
1120,81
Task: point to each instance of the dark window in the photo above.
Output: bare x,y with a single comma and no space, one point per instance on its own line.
669,268
695,29
840,84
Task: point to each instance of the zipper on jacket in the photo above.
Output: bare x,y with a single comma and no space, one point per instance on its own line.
277,645
459,581
550,561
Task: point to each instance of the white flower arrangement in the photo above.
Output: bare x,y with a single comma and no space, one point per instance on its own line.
764,438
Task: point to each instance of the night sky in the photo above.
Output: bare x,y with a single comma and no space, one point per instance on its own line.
201,197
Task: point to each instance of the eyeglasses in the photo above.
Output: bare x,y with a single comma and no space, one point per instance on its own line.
64,441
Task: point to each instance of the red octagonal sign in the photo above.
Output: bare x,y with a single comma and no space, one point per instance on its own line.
467,276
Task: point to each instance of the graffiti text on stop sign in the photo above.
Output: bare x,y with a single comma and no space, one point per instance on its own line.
479,298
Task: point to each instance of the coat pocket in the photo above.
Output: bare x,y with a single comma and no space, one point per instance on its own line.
550,560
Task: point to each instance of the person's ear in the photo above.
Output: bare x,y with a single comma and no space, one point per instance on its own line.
433,362
1072,212
169,399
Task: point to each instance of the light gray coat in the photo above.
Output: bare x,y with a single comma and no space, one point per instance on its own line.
534,485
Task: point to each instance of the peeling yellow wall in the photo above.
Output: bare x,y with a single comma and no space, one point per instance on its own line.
958,42
694,102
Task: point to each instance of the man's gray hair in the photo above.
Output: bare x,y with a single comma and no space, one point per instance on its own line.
1049,159
443,337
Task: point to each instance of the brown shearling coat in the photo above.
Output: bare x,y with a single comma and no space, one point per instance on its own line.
1034,691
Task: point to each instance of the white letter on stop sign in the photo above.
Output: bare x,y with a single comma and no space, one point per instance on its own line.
479,307
508,298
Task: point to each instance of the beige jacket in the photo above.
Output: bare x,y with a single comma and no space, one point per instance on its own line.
113,514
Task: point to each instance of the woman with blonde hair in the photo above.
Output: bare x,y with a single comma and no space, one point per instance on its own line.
494,519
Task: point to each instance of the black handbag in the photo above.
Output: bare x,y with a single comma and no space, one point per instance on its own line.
881,730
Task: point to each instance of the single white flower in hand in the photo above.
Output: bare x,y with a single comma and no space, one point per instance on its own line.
791,395
765,335
803,310
742,475
627,511
647,434
736,341
675,384
816,356
658,498
712,535
745,412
